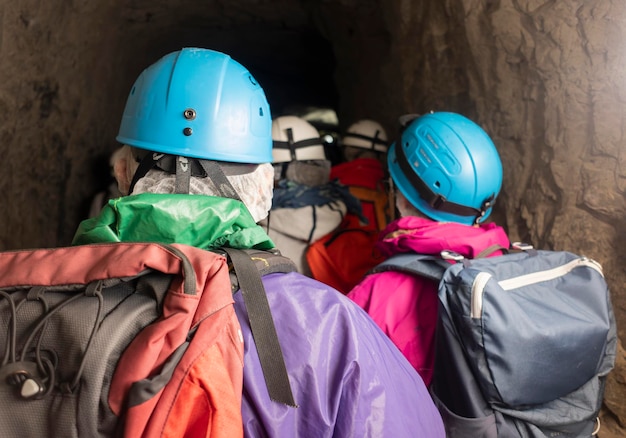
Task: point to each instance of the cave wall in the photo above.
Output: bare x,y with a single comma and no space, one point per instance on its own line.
66,69
544,78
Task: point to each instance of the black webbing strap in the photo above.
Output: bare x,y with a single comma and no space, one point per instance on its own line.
375,140
437,201
314,227
183,175
292,145
146,163
184,168
217,175
266,262
263,329
283,169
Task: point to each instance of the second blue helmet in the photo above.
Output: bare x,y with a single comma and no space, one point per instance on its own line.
447,167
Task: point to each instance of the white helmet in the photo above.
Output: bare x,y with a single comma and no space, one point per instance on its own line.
295,139
366,134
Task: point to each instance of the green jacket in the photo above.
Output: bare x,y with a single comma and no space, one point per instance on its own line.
205,222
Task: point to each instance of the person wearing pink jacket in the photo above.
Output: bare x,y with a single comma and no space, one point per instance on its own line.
447,173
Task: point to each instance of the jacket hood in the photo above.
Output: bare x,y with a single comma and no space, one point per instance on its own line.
205,222
415,234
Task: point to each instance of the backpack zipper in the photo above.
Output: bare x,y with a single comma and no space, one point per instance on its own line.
478,286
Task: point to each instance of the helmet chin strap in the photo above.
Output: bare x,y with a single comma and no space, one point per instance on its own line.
216,174
184,168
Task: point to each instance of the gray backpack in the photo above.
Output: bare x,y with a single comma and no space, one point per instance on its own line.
524,342
119,339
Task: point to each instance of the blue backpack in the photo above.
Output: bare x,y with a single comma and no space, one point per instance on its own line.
524,342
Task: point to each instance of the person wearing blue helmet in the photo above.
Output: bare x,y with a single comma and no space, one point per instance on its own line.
447,174
196,169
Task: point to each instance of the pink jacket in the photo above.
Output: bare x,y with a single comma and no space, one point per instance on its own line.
405,306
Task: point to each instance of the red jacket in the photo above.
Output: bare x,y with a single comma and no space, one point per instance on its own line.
365,177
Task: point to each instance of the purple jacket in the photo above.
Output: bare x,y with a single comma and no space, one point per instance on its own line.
348,379
405,306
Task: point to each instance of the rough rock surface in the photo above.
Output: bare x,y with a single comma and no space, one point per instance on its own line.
545,78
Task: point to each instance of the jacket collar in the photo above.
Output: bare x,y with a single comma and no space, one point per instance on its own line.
205,222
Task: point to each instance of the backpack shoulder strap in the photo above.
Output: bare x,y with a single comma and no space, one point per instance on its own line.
271,261
429,266
265,261
261,322
433,266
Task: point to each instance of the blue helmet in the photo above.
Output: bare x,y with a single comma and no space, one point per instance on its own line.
447,167
199,103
